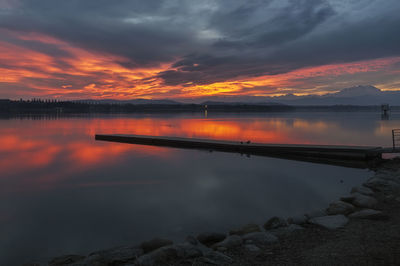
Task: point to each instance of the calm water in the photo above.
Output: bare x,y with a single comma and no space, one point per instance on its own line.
62,192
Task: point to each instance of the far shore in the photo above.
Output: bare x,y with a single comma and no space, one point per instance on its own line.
63,108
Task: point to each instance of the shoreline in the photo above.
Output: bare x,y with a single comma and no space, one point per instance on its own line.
361,228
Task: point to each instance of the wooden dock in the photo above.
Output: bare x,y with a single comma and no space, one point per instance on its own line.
304,152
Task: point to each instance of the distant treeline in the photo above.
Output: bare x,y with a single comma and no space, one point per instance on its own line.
37,106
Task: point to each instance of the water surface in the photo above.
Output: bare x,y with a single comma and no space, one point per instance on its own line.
63,192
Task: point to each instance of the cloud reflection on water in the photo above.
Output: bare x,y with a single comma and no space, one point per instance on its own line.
58,184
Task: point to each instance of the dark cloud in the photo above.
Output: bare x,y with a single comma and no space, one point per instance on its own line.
288,42
215,40
284,24
138,30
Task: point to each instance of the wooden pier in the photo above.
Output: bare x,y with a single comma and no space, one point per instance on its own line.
325,153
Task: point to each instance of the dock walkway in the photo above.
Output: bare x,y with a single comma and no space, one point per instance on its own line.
302,150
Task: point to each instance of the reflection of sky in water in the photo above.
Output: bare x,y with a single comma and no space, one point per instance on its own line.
62,192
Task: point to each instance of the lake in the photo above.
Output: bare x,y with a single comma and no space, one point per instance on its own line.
62,192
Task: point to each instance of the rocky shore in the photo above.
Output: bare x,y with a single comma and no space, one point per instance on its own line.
362,228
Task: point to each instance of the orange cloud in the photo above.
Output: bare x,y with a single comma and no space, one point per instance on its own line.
80,73
288,80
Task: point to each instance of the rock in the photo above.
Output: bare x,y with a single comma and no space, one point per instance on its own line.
162,255
229,242
187,250
154,244
192,240
167,254
67,259
331,221
283,231
222,249
363,190
204,249
380,184
390,197
316,213
340,207
388,175
348,199
210,238
248,228
252,248
363,201
301,219
375,183
216,258
112,256
369,214
275,222
260,238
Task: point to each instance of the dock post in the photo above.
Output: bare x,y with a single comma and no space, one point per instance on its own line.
395,138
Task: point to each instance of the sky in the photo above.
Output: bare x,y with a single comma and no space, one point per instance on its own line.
195,49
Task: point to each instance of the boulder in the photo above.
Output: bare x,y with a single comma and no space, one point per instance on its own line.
316,213
251,248
363,190
221,249
340,207
187,250
163,256
364,201
112,256
360,200
390,197
369,214
260,238
300,219
67,259
210,238
167,254
283,231
154,244
275,222
229,242
248,228
348,199
388,175
379,184
192,240
331,221
216,258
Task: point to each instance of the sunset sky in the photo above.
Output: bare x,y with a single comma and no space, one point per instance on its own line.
191,50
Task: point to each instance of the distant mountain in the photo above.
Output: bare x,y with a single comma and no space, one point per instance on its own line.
358,91
133,101
358,95
240,103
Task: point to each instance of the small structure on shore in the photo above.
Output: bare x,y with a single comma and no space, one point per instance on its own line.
396,138
385,108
